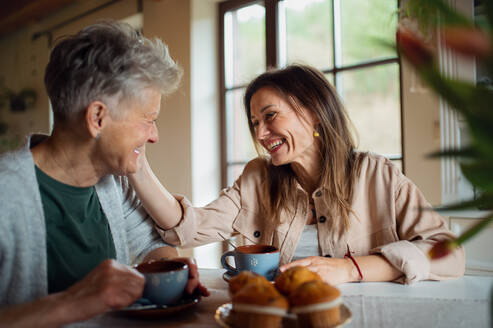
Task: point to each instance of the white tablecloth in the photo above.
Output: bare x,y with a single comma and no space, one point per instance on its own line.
462,302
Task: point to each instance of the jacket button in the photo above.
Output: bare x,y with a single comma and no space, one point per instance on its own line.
318,193
322,219
256,234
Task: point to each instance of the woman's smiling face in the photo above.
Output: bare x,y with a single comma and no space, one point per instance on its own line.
286,134
123,139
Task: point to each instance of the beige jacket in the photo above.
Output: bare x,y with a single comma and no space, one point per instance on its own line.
387,221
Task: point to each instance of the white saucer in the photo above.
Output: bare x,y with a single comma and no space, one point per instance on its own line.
224,317
227,276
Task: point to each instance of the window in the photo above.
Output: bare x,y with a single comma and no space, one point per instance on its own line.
342,38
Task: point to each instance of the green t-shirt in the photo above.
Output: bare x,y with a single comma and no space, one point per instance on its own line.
78,236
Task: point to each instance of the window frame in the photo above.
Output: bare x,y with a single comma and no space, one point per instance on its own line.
272,60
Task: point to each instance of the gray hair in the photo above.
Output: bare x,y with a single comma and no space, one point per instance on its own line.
110,62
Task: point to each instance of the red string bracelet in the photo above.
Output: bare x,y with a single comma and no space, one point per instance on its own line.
349,256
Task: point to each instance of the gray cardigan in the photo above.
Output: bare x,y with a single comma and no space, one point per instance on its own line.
23,264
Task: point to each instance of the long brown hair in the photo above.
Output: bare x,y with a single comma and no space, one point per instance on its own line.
305,87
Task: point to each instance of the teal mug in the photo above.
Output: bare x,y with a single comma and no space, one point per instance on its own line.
165,281
262,259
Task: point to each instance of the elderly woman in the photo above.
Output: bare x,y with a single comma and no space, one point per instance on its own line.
347,215
67,207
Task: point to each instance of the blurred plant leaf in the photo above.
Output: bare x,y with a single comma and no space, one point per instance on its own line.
425,11
466,97
475,229
3,128
483,200
473,102
488,6
467,152
479,174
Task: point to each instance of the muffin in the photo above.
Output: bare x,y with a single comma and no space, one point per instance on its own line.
290,279
316,304
244,278
258,305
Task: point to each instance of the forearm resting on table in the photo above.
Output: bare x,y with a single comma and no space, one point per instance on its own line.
51,311
373,268
158,202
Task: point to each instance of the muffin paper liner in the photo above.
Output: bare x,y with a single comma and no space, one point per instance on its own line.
259,309
317,306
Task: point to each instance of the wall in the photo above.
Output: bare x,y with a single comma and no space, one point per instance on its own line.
22,64
23,61
186,159
205,116
171,156
421,133
117,11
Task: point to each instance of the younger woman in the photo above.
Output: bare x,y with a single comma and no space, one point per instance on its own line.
347,215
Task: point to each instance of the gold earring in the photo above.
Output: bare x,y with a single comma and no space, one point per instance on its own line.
316,134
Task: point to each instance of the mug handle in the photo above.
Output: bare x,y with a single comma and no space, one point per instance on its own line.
225,264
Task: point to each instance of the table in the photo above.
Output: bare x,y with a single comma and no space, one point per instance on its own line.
201,315
462,302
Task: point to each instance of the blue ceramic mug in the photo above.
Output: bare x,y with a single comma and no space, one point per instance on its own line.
262,259
165,281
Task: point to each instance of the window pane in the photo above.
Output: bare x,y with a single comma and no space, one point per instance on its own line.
360,35
330,78
234,172
239,143
244,44
371,97
306,32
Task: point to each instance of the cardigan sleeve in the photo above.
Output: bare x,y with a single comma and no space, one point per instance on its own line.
419,228
141,235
